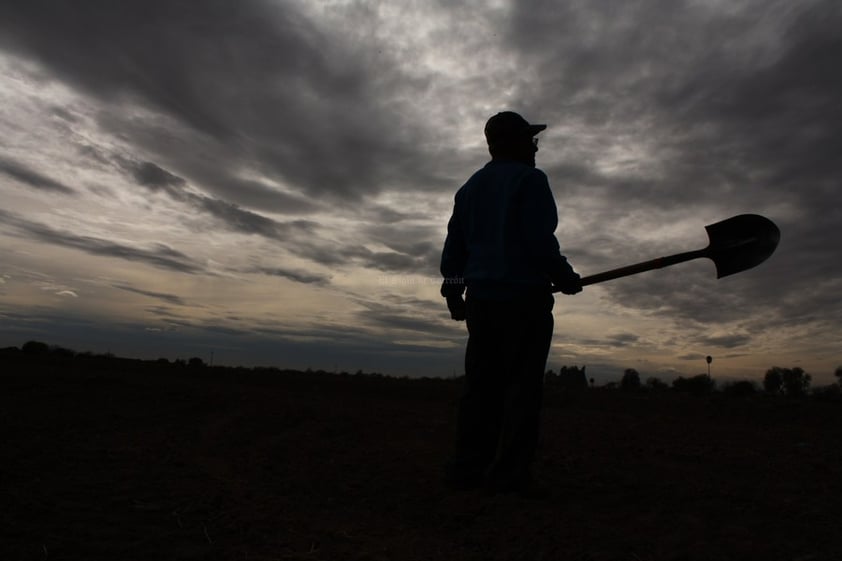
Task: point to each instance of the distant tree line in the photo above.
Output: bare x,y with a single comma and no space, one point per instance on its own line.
787,382
54,354
570,378
41,349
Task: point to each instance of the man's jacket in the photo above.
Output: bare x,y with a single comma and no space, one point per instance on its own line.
501,237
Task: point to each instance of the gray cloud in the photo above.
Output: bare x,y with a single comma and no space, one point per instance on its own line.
389,319
155,177
403,316
410,241
161,256
24,174
411,252
743,104
254,194
236,219
351,252
298,235
622,339
295,275
736,98
273,91
691,356
730,341
325,115
169,298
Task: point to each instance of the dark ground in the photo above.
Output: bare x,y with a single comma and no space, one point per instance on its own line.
122,460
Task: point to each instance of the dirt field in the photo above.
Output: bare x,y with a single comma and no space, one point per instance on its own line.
122,460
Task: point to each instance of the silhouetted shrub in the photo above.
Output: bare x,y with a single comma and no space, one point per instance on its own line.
796,382
195,362
10,351
773,381
631,380
700,384
792,382
656,384
742,388
569,378
35,348
838,374
62,352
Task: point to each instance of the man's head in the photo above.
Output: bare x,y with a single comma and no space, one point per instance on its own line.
511,137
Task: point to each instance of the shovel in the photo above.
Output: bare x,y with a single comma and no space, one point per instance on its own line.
736,244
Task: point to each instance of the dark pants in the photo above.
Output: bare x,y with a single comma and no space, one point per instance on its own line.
499,412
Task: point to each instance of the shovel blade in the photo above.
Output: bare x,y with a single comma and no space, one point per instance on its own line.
741,242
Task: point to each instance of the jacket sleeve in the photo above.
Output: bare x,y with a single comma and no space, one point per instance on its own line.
538,220
454,256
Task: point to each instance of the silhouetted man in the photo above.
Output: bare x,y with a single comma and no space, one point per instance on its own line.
501,247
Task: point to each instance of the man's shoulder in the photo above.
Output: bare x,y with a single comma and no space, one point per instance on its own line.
536,174
500,173
515,169
479,176
506,168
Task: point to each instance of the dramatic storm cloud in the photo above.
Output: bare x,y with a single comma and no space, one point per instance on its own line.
271,179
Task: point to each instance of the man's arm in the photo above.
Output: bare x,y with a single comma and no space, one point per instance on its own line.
539,220
453,259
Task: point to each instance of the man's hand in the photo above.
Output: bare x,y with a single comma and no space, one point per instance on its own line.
456,305
570,285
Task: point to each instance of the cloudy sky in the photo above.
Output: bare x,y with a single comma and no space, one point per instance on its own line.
270,181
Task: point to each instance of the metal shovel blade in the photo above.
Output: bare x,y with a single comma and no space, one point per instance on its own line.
736,244
741,242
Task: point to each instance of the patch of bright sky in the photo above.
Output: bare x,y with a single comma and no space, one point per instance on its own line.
449,48
48,140
32,136
116,209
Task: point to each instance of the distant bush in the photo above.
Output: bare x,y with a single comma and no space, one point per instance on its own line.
773,381
35,348
796,382
631,380
62,352
656,384
792,382
742,388
196,362
701,384
569,378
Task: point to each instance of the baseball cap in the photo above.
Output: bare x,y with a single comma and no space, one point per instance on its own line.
508,125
